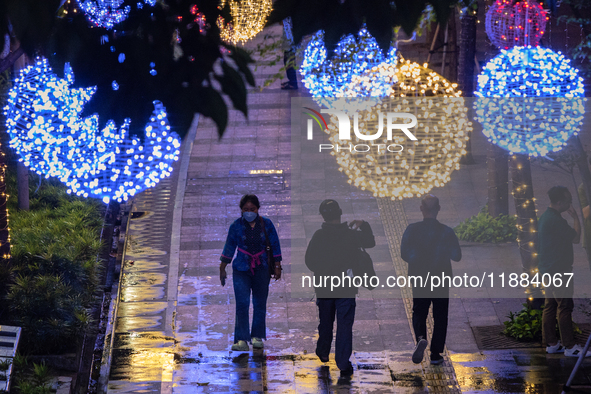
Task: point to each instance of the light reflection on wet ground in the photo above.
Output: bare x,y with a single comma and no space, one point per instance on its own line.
196,358
146,364
160,359
260,372
143,358
529,371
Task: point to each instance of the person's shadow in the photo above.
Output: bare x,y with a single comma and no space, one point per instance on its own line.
257,362
241,360
324,380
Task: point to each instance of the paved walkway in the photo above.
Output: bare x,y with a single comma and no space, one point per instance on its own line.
175,322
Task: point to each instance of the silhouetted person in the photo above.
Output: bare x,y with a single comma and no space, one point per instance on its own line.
334,251
289,57
555,253
428,246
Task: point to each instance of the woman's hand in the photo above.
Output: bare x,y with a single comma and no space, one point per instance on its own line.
223,274
277,274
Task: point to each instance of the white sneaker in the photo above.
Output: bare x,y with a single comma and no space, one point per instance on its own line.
257,343
575,351
240,346
558,348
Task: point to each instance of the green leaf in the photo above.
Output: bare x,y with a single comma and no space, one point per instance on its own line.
213,106
380,23
233,85
408,14
242,60
442,9
32,21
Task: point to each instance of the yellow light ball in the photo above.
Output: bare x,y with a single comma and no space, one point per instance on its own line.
248,19
442,131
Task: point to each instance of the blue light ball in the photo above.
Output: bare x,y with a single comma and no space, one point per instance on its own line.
46,130
353,56
530,100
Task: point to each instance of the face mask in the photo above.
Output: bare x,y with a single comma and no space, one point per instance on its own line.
249,216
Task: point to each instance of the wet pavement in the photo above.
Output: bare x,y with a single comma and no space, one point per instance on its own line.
175,322
518,371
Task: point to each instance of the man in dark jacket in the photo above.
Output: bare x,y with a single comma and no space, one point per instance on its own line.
333,252
427,247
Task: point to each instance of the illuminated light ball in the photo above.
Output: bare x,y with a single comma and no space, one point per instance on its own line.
531,100
401,79
401,167
376,81
248,19
328,78
509,23
45,128
529,72
108,13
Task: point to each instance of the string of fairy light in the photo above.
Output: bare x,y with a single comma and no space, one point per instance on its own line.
44,124
4,221
248,16
248,19
358,69
441,134
509,23
548,113
531,101
330,78
108,13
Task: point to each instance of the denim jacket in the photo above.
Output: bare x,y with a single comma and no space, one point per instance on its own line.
237,239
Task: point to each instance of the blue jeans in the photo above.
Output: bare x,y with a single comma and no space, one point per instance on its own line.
288,62
344,309
244,283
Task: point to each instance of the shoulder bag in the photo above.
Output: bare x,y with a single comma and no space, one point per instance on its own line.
365,266
270,259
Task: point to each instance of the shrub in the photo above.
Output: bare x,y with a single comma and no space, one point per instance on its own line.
33,380
525,325
54,270
51,313
485,228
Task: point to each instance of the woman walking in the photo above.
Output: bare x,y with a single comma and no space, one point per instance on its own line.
256,239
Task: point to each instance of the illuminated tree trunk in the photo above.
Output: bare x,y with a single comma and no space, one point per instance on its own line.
467,51
525,208
6,270
4,236
497,161
527,221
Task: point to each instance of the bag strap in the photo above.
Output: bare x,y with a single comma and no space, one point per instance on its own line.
267,241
